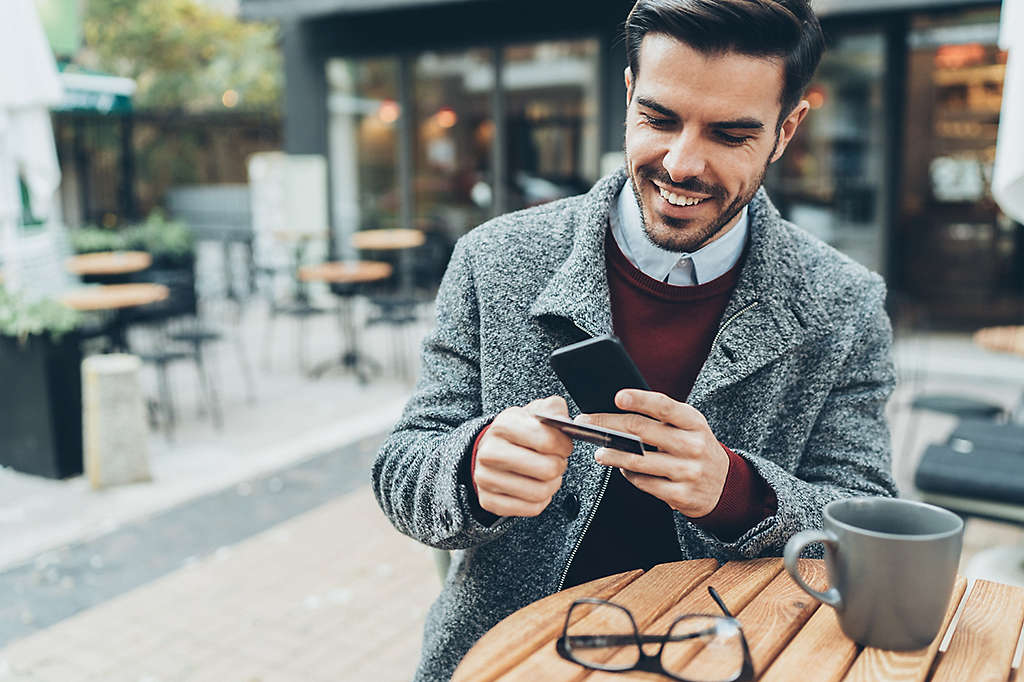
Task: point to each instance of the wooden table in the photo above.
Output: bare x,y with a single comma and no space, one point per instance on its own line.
115,298
388,240
1004,339
791,636
106,263
348,275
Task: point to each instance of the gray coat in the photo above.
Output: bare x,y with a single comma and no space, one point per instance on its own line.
796,382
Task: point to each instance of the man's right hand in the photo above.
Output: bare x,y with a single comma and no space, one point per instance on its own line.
520,462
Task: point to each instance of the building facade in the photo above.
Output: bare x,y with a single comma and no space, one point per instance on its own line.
441,113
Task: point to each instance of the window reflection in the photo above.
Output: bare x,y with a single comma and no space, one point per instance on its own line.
551,113
454,133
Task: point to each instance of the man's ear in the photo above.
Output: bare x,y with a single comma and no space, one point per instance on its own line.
788,128
628,75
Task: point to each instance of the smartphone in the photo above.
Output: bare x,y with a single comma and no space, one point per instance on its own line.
594,370
598,435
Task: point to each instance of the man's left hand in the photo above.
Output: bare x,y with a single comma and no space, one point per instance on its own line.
689,472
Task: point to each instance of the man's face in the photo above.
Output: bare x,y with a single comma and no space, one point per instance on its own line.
700,135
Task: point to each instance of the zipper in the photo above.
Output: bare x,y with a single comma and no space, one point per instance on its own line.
590,519
730,320
585,331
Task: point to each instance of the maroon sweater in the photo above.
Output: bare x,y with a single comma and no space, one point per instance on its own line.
668,331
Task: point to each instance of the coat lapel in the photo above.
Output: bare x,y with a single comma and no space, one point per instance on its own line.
771,311
579,288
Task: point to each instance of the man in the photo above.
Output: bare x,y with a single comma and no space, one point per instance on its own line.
768,352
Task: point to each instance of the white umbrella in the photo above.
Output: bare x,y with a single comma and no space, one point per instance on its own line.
1008,176
29,85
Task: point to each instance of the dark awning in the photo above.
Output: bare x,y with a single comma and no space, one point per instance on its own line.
301,9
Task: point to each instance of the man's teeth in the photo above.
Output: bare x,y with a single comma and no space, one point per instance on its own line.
678,200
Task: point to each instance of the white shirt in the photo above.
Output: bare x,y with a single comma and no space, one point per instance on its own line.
681,269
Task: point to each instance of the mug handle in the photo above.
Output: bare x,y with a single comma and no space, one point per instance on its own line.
795,547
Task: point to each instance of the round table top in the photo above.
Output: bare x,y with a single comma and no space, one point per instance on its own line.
114,296
791,636
1005,339
346,272
388,240
108,263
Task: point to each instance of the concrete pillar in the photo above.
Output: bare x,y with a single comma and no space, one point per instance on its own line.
114,428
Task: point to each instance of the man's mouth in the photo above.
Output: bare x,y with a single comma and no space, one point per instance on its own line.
680,199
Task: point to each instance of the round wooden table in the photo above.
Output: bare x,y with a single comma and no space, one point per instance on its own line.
388,240
115,298
105,263
347,276
1004,339
791,636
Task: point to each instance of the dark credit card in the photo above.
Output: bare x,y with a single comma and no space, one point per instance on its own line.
598,435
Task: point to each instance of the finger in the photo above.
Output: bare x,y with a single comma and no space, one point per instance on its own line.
648,430
505,456
554,405
652,485
652,464
519,427
503,505
514,485
660,407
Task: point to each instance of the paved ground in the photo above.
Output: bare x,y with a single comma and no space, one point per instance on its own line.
211,575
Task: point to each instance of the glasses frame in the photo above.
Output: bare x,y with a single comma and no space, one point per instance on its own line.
646,662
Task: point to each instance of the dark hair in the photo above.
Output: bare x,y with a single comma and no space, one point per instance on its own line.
785,29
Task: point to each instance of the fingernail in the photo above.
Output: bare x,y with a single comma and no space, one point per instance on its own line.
624,399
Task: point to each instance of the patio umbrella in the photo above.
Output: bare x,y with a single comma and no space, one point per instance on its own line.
28,87
1008,176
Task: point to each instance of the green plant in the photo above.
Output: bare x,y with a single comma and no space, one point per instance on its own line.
92,239
162,238
21,318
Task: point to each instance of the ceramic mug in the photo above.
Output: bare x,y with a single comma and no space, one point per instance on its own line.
891,565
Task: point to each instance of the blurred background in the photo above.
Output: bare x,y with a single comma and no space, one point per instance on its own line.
222,226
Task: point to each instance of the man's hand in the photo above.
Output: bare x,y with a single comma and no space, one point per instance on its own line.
689,472
520,462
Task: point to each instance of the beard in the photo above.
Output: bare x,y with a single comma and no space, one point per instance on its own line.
686,235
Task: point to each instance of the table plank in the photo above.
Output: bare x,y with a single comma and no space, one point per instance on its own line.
737,583
821,640
646,597
770,621
530,630
905,666
985,636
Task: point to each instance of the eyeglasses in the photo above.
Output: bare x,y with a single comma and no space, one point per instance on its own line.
601,635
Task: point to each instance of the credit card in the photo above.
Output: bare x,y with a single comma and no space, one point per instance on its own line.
598,435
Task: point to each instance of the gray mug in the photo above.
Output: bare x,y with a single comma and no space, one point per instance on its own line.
891,565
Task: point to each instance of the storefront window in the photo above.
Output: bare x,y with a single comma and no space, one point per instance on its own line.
454,134
961,250
831,180
551,114
363,114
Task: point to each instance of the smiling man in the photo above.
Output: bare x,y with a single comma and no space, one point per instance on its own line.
767,352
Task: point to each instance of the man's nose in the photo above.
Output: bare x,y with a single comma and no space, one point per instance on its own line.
686,157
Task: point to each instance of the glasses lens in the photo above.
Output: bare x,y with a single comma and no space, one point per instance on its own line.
704,649
602,636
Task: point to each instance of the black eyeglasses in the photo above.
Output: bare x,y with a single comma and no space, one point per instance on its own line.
601,635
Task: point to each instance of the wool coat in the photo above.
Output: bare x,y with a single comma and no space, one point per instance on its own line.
796,383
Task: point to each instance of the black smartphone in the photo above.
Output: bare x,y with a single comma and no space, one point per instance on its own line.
598,435
594,370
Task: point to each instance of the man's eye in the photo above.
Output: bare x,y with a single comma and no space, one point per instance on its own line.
657,122
731,139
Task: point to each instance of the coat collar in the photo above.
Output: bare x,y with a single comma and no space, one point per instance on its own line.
772,310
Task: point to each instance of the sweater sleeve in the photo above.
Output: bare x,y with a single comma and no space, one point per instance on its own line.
746,501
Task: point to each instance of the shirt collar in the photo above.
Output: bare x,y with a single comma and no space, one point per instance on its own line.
681,269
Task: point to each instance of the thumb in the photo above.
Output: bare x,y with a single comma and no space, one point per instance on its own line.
554,405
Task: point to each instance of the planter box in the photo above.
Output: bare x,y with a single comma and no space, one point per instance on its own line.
41,406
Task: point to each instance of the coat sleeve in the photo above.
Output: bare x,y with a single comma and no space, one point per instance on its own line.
416,474
847,453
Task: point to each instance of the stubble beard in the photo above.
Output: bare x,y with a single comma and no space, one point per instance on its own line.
683,237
